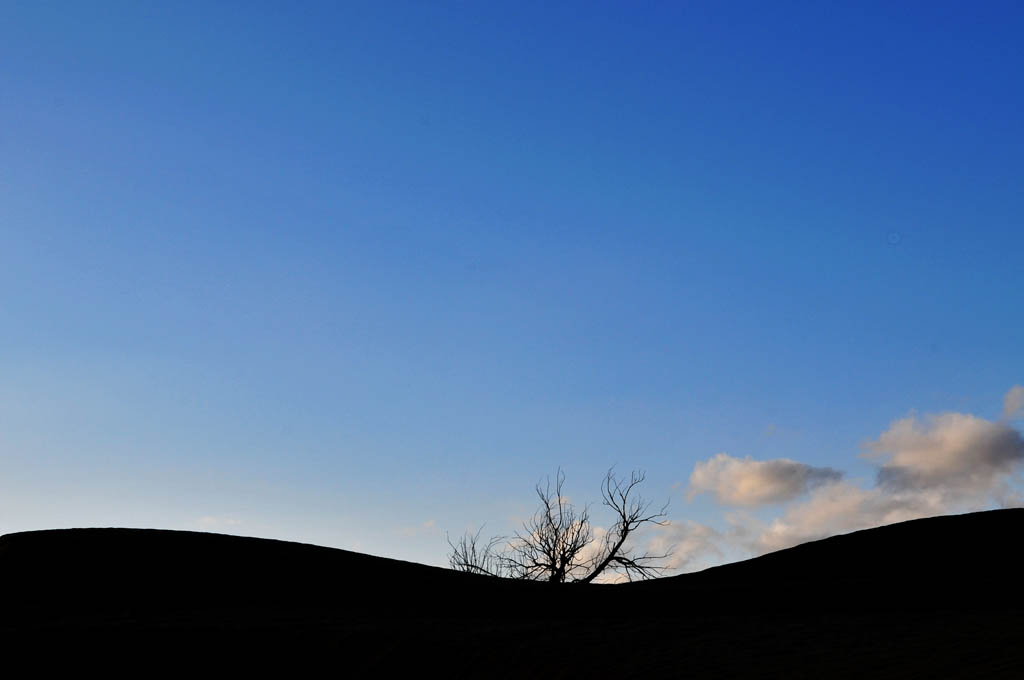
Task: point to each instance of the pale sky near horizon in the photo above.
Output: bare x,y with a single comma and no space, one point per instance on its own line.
358,273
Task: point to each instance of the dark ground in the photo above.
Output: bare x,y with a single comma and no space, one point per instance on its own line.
939,597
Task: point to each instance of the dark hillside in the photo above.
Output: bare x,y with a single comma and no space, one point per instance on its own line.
978,544
142,573
968,561
929,598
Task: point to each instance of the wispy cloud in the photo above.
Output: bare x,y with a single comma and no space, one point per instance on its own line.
1013,403
691,545
428,527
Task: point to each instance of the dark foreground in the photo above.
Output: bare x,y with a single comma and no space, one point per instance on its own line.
930,598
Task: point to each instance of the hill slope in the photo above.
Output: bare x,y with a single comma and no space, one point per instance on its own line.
957,561
936,596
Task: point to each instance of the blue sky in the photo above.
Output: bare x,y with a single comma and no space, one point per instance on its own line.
359,273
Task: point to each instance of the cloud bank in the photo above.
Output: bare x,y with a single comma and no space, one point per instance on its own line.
834,509
935,465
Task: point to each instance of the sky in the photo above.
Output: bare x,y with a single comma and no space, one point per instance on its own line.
362,274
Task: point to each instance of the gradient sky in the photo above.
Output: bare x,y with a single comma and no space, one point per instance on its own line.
358,274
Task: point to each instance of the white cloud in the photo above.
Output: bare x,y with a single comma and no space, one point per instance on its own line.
951,452
748,482
1013,403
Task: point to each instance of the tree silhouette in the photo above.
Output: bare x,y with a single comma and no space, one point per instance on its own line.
558,543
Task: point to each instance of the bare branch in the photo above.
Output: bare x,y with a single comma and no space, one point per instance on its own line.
632,513
472,556
553,544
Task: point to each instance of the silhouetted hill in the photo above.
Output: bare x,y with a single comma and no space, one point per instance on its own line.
142,573
970,560
935,547
936,597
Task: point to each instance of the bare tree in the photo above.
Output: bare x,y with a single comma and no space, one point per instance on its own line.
558,544
552,541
